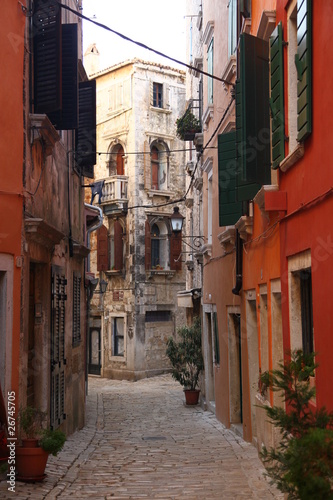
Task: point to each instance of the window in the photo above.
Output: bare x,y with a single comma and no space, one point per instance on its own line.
300,302
306,310
159,167
117,161
157,95
163,250
232,28
76,335
117,332
154,316
210,70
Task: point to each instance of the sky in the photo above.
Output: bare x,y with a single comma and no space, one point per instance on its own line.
159,25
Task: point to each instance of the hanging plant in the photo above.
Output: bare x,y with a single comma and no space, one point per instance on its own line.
187,126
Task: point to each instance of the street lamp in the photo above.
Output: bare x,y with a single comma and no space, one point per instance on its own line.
176,220
102,287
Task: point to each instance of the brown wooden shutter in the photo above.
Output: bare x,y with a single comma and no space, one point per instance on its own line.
147,246
47,58
86,132
102,249
118,246
57,364
69,117
147,165
120,161
175,251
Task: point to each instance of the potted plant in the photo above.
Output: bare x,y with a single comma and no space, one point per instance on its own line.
186,359
187,126
301,465
37,443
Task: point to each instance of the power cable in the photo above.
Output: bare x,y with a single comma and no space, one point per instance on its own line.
142,45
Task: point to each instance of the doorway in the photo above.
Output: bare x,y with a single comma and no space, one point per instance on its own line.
235,367
94,361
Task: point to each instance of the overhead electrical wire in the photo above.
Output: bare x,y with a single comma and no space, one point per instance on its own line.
142,45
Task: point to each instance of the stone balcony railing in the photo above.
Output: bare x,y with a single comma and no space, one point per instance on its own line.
114,193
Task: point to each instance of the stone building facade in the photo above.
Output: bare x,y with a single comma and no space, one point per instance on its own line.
140,176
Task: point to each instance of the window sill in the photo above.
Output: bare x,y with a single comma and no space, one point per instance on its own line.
114,272
161,110
158,192
227,238
292,158
208,114
161,272
42,128
245,226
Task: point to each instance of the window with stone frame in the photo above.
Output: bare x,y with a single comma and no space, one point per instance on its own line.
162,246
116,160
159,167
157,95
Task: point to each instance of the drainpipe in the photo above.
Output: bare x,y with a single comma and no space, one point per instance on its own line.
239,265
93,228
89,231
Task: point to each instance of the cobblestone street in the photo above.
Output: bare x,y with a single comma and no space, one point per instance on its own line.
141,441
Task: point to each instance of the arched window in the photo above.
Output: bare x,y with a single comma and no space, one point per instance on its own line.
159,167
117,161
163,250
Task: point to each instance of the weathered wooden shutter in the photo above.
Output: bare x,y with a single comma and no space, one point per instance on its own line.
102,249
47,58
252,117
230,210
276,98
58,298
69,116
118,246
147,246
147,165
175,251
154,168
76,338
86,132
304,69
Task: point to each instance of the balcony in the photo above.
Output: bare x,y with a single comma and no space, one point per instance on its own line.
114,195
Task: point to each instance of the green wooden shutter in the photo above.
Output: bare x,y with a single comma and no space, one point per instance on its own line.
252,117
230,210
276,99
47,58
304,69
86,132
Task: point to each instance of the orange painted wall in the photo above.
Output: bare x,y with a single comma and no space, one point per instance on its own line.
310,203
11,152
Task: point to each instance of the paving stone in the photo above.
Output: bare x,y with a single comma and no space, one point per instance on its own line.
141,441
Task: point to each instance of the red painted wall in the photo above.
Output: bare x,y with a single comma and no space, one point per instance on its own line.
308,184
11,152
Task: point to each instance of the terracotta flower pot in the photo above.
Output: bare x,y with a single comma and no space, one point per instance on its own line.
30,463
192,396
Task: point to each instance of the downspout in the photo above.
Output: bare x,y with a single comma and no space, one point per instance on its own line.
89,231
93,228
239,265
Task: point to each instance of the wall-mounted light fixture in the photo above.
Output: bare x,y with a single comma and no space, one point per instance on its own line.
176,220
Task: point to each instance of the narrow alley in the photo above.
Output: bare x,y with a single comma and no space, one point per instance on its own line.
141,441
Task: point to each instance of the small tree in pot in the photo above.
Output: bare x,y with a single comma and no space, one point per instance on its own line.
186,359
187,126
